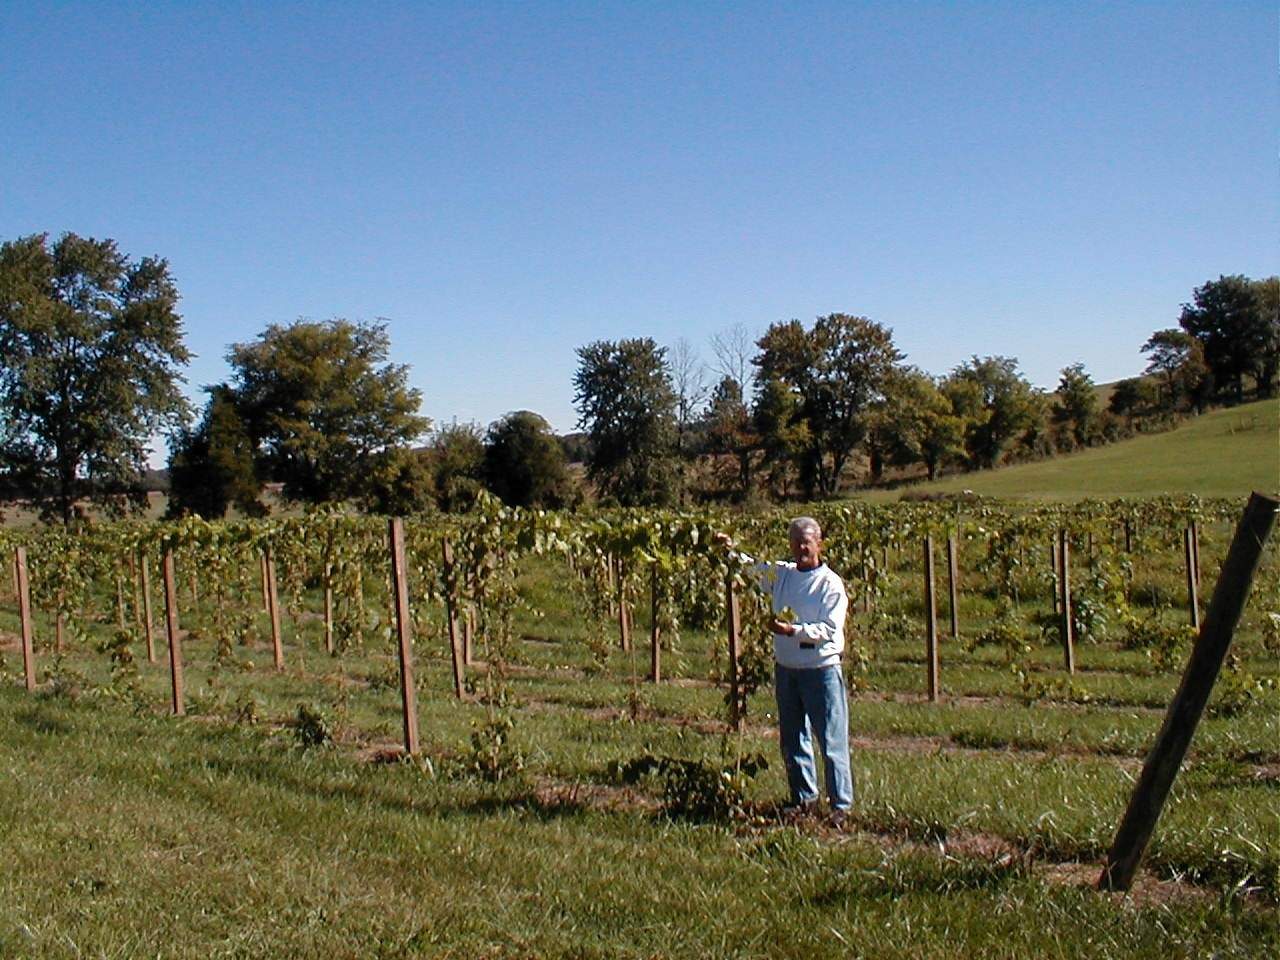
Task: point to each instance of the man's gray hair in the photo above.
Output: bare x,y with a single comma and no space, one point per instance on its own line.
804,526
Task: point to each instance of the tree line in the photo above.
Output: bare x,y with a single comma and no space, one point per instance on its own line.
92,358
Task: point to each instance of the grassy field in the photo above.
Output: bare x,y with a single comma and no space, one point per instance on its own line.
1225,453
979,826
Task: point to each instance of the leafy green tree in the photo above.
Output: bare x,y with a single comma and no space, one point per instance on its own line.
401,482
839,371
1267,363
917,423
1076,406
90,355
783,433
1226,316
457,465
1177,362
212,466
728,431
1133,397
524,464
997,403
626,404
322,404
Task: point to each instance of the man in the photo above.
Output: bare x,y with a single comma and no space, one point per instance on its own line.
808,680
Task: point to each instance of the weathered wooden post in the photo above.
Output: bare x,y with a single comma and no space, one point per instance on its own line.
145,570
171,629
1064,602
273,607
655,640
328,608
1187,706
1195,551
731,625
451,615
469,635
931,623
262,568
1193,601
624,615
120,621
23,589
953,585
404,635
1057,581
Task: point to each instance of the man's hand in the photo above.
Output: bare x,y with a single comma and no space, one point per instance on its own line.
784,628
722,539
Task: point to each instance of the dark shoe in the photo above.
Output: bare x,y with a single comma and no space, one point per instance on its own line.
839,819
795,812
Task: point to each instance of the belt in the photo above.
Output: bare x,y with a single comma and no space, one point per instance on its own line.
806,645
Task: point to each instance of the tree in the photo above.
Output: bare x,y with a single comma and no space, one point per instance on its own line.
90,356
212,466
917,423
524,464
322,404
997,403
400,482
1076,404
727,431
1267,363
688,382
783,433
1133,397
1177,361
627,406
1228,320
839,371
457,465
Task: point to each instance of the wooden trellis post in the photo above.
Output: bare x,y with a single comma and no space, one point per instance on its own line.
731,626
273,607
171,628
1193,600
655,639
624,615
22,587
1064,604
451,616
469,635
931,623
1187,706
953,585
404,635
328,608
145,571
1057,582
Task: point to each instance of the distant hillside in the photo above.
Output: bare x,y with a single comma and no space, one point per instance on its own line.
1226,453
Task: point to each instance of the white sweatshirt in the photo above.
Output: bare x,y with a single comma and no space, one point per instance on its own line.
818,598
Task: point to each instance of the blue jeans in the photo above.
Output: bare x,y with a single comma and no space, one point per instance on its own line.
813,704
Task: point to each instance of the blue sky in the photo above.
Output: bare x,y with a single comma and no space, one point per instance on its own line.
504,182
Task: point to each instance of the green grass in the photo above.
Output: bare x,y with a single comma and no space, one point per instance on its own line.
1225,453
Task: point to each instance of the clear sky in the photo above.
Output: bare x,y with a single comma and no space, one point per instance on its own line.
504,182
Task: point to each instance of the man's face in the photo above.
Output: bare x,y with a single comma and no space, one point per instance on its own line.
806,546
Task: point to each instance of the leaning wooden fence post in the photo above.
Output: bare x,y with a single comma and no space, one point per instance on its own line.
655,639
953,586
273,606
1193,600
24,614
930,622
171,628
146,606
731,624
451,615
1162,764
404,633
1064,603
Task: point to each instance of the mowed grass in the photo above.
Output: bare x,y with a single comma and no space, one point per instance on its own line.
979,826
1225,453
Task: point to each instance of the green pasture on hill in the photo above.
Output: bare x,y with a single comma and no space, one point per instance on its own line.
1226,453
